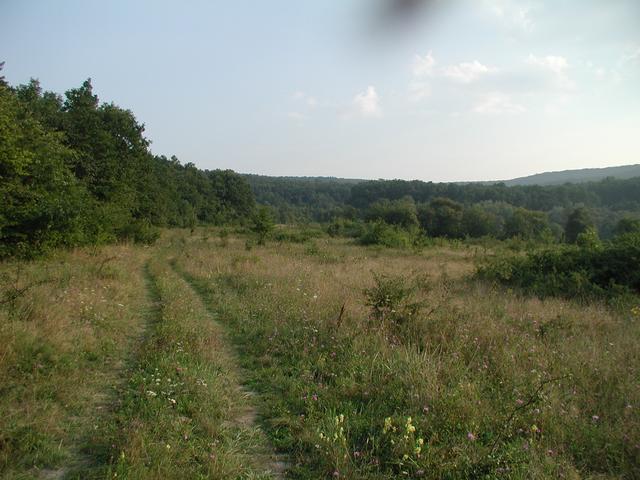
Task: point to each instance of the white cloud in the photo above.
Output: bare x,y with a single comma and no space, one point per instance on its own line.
466,72
554,63
367,103
497,103
423,66
557,66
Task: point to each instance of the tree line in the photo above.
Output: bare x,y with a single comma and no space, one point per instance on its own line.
451,209
75,171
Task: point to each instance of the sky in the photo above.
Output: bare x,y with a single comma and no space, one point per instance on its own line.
460,90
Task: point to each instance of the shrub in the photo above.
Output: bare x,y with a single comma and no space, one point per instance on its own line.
587,270
392,299
140,231
379,233
262,224
342,227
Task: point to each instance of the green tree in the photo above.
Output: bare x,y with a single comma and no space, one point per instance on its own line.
401,212
442,217
627,225
528,225
42,204
262,223
477,222
579,221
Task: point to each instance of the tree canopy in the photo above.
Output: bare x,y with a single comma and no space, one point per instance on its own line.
75,171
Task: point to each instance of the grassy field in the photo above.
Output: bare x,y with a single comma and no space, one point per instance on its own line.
207,357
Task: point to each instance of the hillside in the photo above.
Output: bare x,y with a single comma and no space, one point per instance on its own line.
577,176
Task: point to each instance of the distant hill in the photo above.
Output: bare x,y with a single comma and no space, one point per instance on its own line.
577,176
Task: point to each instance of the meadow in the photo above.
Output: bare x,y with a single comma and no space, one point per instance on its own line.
208,356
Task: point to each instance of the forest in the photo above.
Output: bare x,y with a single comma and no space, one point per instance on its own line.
75,171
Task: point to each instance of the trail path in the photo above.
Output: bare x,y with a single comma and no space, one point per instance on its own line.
245,416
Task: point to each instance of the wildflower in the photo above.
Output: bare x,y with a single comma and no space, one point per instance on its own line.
315,297
405,457
420,441
595,418
172,401
519,401
388,425
168,447
534,429
314,397
151,393
471,437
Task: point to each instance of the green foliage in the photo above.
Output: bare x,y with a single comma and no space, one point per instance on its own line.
392,299
401,213
262,223
587,270
528,225
627,225
342,227
442,218
140,231
478,222
43,204
578,223
380,233
76,171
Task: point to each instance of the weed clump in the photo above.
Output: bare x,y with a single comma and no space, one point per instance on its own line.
392,299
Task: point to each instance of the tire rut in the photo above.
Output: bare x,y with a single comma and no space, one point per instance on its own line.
276,463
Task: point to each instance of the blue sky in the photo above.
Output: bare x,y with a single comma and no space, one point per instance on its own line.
469,90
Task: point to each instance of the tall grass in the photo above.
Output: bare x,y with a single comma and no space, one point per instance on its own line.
486,383
357,362
66,324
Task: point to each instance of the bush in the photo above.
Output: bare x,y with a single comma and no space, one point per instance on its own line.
140,231
392,299
262,224
379,233
588,270
342,227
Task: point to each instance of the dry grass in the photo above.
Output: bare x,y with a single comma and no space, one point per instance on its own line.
62,345
497,384
544,388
